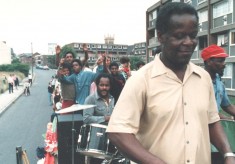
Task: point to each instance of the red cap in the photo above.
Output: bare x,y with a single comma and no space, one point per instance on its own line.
213,51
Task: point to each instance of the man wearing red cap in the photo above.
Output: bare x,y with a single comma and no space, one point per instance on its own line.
214,60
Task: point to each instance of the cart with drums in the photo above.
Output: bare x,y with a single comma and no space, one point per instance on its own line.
93,142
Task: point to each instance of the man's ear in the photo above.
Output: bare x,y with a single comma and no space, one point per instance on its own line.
209,61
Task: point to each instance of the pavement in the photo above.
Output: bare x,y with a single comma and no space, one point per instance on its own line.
6,99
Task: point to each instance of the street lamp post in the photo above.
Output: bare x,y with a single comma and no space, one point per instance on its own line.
32,56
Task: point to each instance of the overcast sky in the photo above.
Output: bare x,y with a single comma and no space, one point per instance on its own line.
66,21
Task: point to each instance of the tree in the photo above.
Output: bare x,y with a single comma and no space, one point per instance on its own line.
65,49
13,55
15,61
134,60
51,61
24,68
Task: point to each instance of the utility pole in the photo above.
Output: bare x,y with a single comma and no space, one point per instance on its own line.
32,56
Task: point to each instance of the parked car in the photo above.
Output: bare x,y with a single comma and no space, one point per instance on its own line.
39,66
45,67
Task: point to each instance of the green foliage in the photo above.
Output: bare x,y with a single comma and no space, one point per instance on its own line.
232,99
15,61
13,55
51,61
133,61
24,68
65,49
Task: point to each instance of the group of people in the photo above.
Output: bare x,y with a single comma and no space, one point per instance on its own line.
166,112
13,81
76,83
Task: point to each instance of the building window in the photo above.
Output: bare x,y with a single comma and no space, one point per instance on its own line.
188,1
203,16
232,38
202,42
195,53
227,77
222,40
201,1
105,46
223,8
153,15
76,45
152,18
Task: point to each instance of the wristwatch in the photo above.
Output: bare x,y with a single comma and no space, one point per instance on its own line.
229,154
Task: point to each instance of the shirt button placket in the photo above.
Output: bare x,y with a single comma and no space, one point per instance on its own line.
186,123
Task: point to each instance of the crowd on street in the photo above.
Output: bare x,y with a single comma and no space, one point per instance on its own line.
13,83
139,113
65,89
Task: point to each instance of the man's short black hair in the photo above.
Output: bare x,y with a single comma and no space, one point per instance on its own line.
70,52
113,64
169,9
67,65
78,61
124,60
139,63
103,75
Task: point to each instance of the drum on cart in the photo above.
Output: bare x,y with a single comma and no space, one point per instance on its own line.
93,141
120,160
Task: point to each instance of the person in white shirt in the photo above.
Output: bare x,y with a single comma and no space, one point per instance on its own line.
26,88
10,83
30,79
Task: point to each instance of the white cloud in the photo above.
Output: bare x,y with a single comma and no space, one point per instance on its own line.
53,21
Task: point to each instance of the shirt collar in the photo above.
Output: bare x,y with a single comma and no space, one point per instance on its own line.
159,68
98,97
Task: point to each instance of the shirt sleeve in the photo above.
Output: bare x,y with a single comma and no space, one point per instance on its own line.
213,115
225,100
100,69
93,76
67,79
129,108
